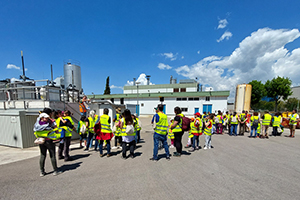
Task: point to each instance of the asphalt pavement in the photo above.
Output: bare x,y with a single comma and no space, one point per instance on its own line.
236,168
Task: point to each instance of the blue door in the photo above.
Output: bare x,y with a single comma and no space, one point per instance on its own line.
196,110
137,110
207,108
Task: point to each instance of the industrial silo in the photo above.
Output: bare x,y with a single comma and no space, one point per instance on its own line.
72,74
243,97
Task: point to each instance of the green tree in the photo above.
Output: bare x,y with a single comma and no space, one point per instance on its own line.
107,88
258,91
291,103
278,88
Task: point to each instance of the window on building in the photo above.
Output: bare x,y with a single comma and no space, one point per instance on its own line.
122,100
184,109
207,98
183,99
191,99
182,89
176,90
178,99
196,99
112,100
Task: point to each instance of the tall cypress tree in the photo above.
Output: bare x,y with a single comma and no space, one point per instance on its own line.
107,88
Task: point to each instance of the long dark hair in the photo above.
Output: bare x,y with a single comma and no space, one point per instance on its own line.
128,117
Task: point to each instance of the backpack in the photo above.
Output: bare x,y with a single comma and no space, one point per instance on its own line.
185,124
83,129
255,123
233,119
217,120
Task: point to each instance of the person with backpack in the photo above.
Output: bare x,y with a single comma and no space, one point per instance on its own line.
242,122
128,134
254,124
233,124
82,131
177,130
219,122
276,121
160,133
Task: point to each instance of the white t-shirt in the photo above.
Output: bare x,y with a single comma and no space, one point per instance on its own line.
127,139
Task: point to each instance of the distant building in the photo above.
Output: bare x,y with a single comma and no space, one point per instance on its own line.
296,92
185,94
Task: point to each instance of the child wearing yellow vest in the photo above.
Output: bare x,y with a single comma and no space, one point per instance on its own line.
208,131
171,134
195,131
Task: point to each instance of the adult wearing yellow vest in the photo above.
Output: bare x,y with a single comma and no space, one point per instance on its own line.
128,135
177,130
294,118
44,122
118,137
254,124
233,120
160,133
105,133
138,129
266,120
90,123
242,122
64,146
276,121
82,131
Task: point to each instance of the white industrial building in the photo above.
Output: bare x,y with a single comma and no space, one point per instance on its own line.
142,99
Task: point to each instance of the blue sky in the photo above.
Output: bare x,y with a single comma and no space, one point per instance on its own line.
223,43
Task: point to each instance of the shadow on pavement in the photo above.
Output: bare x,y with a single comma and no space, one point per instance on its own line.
70,166
79,156
136,154
76,148
185,153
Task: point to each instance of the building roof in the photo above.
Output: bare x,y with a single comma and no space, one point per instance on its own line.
168,94
161,86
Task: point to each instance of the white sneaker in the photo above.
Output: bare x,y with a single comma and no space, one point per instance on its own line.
209,147
172,146
114,147
205,148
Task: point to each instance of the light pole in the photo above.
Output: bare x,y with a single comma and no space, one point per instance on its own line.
137,98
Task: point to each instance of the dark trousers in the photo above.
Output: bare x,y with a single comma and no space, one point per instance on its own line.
275,133
242,128
177,141
89,139
64,148
131,148
50,146
118,139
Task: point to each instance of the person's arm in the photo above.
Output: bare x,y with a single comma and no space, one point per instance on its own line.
109,121
78,127
115,119
175,122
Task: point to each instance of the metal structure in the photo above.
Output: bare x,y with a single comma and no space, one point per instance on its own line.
243,97
72,75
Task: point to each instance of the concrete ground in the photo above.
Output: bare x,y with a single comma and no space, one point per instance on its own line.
236,168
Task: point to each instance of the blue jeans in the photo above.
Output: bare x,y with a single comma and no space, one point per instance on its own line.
137,136
233,128
195,140
253,128
90,141
107,146
163,139
208,141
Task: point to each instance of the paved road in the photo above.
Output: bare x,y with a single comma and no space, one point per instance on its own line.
237,168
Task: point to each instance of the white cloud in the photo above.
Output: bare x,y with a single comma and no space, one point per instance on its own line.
198,52
116,87
142,79
225,35
260,56
11,66
182,57
164,66
222,23
170,56
13,80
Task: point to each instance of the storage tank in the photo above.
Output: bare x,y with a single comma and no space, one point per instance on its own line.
243,97
72,70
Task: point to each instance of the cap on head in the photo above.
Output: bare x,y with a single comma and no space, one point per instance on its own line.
197,114
45,115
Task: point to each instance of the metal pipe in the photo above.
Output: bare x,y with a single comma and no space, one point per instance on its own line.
24,77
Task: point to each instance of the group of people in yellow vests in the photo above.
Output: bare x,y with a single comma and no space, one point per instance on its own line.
126,131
